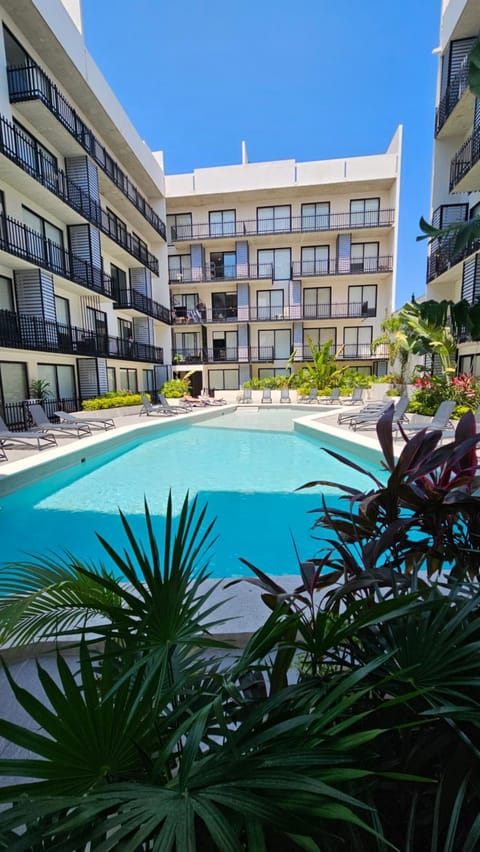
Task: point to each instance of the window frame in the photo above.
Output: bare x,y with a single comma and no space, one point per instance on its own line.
273,229
224,231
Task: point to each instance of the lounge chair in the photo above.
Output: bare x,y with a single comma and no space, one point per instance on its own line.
43,424
149,408
399,415
440,420
3,455
334,397
312,396
285,395
93,422
209,400
368,409
25,439
266,395
355,399
246,397
181,408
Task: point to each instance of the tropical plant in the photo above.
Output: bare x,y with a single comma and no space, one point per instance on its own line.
176,388
430,391
323,371
41,389
395,338
113,399
428,332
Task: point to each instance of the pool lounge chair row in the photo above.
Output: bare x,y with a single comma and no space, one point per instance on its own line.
372,412
43,435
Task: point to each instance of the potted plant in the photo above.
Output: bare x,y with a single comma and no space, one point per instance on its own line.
40,390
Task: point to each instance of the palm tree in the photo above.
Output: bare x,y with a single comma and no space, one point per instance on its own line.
395,338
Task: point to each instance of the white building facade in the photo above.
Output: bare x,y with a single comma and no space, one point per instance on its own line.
456,167
84,302
265,256
97,294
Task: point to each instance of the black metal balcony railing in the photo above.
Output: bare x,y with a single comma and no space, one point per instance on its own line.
444,258
288,225
453,93
22,331
331,310
341,266
17,239
29,82
465,159
245,354
134,299
210,272
350,351
19,148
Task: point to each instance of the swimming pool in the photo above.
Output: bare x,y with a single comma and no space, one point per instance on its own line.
245,465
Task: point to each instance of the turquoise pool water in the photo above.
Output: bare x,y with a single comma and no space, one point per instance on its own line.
245,466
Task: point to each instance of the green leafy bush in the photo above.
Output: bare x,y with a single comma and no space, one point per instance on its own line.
113,399
176,388
432,390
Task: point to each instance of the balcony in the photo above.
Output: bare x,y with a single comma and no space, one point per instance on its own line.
30,246
22,331
133,300
243,354
465,165
347,351
19,149
210,274
30,83
291,225
342,266
457,102
444,258
332,310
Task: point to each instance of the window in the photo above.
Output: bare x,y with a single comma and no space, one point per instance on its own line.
270,372
316,217
364,257
364,212
119,282
44,241
274,220
319,336
362,301
139,247
357,342
111,379
6,294
315,260
269,304
274,344
380,368
179,227
36,158
125,329
223,264
223,380
61,379
97,326
116,227
225,346
276,262
128,380
224,306
317,303
186,346
148,380
62,310
13,381
221,223
179,267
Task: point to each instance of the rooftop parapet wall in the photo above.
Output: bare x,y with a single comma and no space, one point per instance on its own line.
282,174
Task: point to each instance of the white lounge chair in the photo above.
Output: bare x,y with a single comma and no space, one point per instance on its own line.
285,395
312,396
246,397
181,408
3,455
93,422
43,424
266,395
334,397
355,399
399,415
370,408
26,440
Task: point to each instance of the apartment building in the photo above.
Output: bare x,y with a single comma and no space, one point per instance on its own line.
264,256
84,300
456,167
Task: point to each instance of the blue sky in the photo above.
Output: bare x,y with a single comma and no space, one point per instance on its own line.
311,79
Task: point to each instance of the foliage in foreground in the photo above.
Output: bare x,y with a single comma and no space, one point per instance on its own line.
349,721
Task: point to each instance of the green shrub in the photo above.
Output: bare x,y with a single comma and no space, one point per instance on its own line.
175,388
112,399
